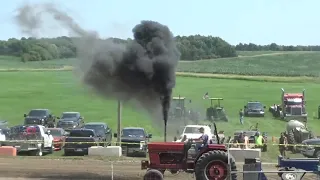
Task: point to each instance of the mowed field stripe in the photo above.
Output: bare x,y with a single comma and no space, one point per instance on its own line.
297,79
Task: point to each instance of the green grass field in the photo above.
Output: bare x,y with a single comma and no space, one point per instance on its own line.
255,53
262,63
59,91
287,64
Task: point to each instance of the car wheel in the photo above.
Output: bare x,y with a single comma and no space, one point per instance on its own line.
67,153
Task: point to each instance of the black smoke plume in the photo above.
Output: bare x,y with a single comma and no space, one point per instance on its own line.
142,71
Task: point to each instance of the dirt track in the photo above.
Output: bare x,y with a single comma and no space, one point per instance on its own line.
45,169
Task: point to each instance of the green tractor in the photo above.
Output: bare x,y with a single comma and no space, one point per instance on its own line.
216,112
179,111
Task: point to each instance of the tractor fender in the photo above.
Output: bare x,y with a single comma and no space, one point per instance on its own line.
207,149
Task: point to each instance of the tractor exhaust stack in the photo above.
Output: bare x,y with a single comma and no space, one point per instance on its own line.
165,110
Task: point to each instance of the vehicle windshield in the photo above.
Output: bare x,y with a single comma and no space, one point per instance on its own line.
191,130
133,133
69,115
81,134
37,113
293,101
55,132
255,106
98,129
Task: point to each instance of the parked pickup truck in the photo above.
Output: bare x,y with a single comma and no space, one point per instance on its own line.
102,130
42,117
79,141
35,140
134,141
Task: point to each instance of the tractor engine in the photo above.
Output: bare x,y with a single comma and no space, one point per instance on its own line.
171,158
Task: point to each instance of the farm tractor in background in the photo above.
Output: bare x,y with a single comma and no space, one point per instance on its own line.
216,112
293,107
296,132
179,111
211,162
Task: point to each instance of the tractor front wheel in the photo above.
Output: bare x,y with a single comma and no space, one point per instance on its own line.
153,174
214,165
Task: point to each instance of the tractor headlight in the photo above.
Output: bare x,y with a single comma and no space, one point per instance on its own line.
142,143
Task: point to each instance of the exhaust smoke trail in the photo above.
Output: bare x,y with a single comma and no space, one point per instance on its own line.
143,71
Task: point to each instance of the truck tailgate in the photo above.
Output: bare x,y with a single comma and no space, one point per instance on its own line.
79,142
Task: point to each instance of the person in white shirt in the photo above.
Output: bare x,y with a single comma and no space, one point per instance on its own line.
246,140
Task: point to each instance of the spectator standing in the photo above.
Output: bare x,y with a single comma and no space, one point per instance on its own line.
241,113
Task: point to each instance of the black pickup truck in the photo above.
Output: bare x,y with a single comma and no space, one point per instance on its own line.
102,130
42,117
134,141
79,141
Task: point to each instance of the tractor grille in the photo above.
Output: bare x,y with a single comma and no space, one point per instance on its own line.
296,111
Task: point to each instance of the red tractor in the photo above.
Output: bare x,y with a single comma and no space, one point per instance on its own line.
210,163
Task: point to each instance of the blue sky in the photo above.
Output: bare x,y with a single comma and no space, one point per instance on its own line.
259,21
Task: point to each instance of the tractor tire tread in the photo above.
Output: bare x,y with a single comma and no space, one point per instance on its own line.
214,155
155,175
291,139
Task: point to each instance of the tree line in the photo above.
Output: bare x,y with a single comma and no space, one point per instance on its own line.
274,47
191,47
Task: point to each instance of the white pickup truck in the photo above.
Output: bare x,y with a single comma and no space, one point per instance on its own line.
192,132
2,137
32,139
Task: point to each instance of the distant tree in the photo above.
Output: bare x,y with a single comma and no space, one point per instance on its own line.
192,48
274,47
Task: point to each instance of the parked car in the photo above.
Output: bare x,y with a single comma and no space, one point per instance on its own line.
59,137
79,141
70,120
311,148
102,130
254,108
40,137
42,117
134,141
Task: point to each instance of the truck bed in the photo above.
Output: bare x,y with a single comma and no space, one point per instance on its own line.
80,142
25,142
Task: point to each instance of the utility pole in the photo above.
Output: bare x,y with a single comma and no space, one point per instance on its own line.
119,123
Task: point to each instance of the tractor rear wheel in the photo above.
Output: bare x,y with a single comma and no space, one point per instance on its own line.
153,174
214,165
